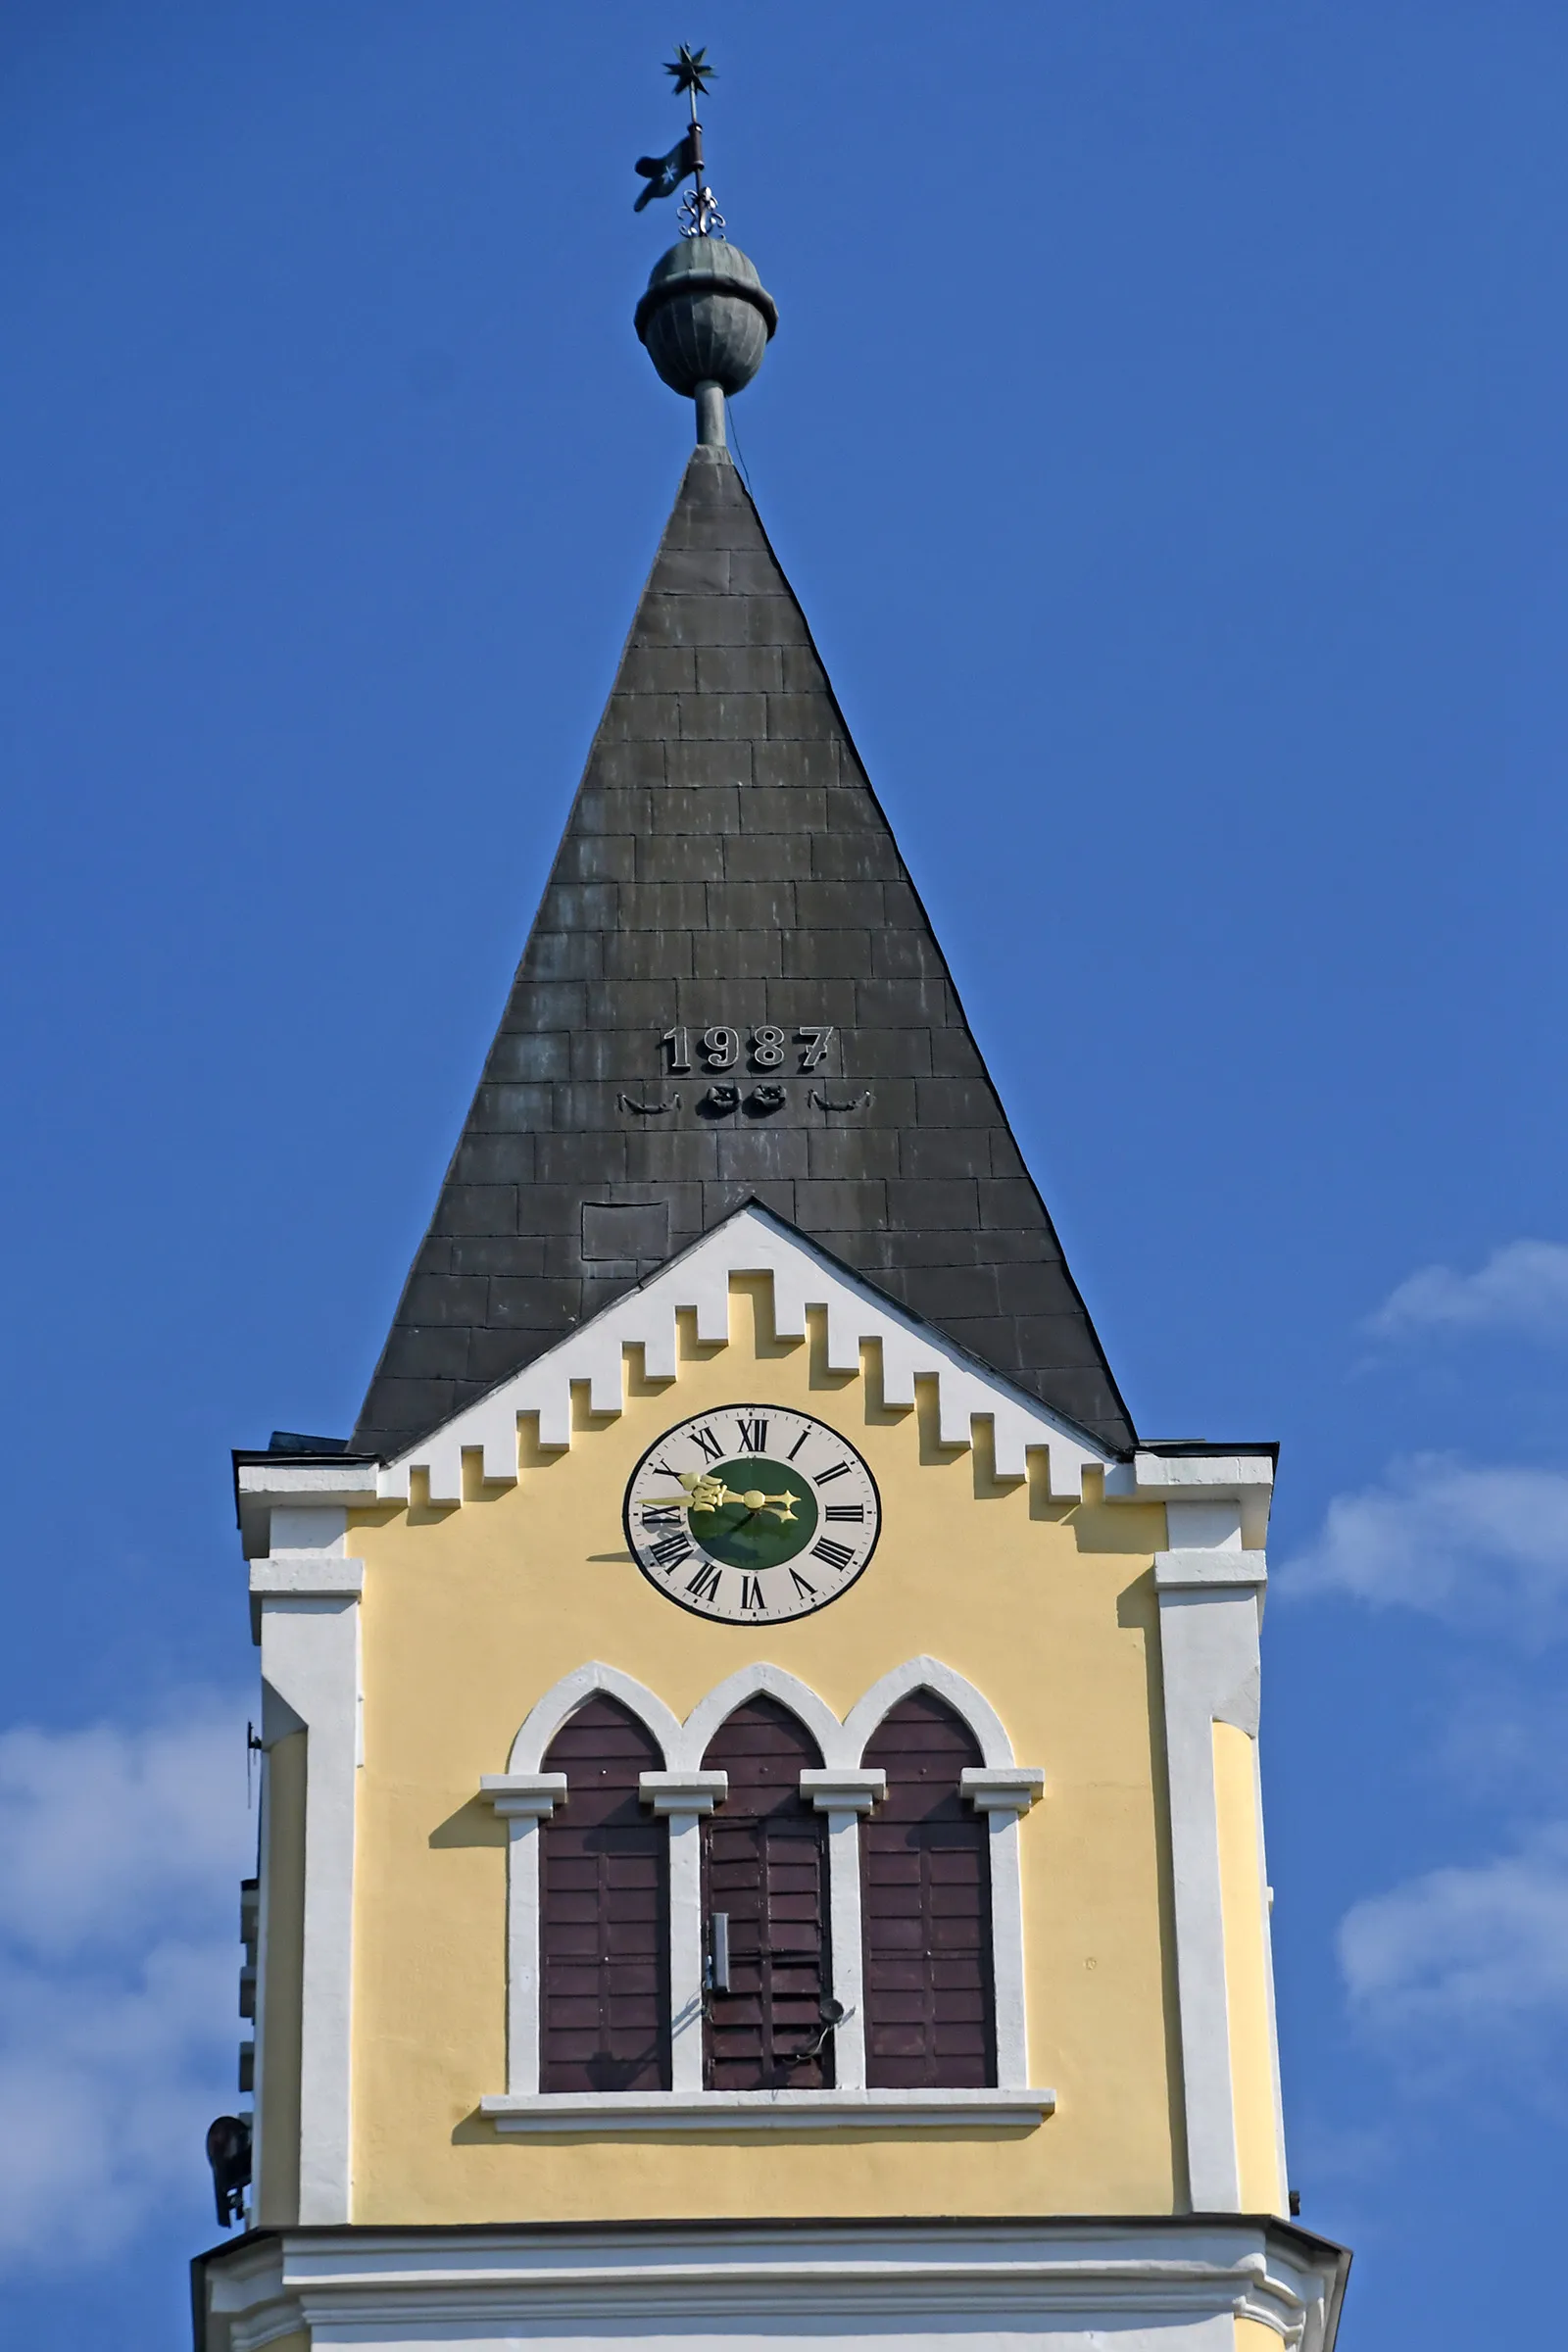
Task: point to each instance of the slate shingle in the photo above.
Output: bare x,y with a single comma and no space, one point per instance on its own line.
727,865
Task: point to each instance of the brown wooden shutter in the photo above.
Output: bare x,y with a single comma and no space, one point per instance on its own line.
926,1894
765,1862
604,1911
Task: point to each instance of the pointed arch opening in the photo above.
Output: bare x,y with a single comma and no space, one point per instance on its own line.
766,1928
928,1968
604,1909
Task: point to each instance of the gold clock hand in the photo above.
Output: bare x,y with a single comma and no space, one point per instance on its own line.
701,1494
711,1494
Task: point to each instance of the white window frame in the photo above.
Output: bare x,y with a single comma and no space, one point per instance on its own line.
682,1792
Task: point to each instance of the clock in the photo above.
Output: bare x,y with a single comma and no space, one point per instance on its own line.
752,1514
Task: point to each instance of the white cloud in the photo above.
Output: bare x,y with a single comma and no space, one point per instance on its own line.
1521,1290
120,1857
1466,1958
1477,1547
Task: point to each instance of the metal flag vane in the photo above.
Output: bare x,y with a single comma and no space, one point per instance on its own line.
700,216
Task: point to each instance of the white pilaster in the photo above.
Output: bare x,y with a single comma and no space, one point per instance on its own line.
522,1799
305,1595
1210,1607
845,1797
682,1798
1004,1797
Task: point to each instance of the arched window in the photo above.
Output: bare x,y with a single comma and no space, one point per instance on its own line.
603,1906
926,1899
764,1877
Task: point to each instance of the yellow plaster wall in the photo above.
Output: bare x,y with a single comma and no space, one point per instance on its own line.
1247,1971
278,2189
1256,2335
471,1613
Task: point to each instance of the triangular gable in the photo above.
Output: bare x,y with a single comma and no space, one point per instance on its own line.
726,865
750,1241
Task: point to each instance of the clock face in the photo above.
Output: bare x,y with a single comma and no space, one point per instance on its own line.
752,1515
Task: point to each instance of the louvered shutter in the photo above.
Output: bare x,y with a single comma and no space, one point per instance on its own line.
926,1898
603,1933
764,1863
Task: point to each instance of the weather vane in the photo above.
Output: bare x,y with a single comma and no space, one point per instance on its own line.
700,216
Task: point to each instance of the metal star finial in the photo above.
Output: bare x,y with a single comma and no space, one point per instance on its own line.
692,73
700,216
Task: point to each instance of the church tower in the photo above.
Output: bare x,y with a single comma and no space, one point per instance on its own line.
761,1832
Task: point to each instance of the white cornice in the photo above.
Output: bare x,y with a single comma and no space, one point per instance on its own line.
697,1283
940,2283
523,1796
844,1791
1220,1476
345,1484
666,1792
1193,1484
1191,1571
1013,1790
307,1576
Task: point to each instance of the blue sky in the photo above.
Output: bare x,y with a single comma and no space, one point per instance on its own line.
1164,434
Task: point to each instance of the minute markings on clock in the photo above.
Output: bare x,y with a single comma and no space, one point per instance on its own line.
740,1537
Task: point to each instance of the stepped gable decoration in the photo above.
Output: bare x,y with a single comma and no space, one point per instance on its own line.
732,991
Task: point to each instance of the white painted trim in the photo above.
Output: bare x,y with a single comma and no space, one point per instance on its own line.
350,1483
666,1792
1193,1488
757,1681
682,1798
524,1966
686,1949
847,1945
750,1241
842,1788
523,1796
1014,1790
302,1575
310,1660
308,1527
325,1574
563,1698
1193,1571
1210,1668
1007,1975
939,2285
726,2111
844,1791
926,1674
1189,1477
845,1797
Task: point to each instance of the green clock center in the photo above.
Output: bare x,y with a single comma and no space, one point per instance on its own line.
768,1513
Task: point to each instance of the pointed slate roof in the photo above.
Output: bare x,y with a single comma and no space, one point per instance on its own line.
726,865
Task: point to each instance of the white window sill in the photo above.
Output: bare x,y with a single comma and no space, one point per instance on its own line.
768,2110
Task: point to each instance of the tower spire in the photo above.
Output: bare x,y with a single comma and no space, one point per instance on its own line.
731,994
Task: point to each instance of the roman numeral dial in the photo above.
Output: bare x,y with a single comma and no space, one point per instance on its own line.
729,1513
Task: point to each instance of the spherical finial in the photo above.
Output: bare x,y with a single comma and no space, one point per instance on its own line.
706,318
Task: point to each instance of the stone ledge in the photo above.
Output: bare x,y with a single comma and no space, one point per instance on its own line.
616,2112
